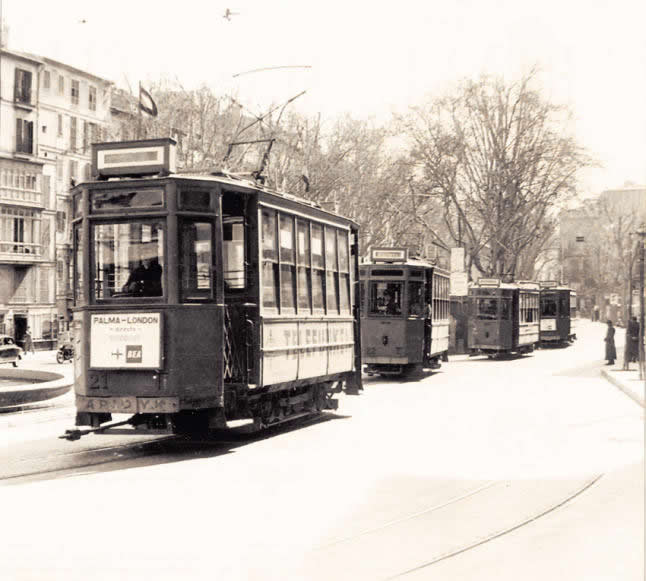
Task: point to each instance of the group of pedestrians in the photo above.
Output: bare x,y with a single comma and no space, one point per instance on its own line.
631,348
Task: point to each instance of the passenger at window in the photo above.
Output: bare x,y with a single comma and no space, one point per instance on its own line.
145,280
392,308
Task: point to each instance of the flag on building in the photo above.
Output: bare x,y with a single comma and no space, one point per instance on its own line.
146,102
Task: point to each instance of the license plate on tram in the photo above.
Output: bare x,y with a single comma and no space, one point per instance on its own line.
128,404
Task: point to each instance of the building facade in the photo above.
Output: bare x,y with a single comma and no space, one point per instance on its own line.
49,114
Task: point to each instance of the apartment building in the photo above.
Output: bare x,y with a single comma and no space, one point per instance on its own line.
50,112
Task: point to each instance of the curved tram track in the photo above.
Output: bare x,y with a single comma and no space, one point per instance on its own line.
413,544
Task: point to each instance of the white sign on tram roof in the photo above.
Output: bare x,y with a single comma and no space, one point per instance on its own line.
389,254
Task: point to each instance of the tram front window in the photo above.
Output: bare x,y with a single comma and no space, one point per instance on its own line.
548,307
386,298
128,259
487,308
415,299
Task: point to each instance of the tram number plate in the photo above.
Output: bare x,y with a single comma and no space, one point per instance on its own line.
107,404
126,405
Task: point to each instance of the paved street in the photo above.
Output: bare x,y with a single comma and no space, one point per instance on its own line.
523,469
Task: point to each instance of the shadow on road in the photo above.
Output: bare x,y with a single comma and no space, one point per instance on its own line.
153,453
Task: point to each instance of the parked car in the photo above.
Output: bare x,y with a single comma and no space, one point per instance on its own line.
10,352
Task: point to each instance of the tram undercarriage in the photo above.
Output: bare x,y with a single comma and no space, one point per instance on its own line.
268,407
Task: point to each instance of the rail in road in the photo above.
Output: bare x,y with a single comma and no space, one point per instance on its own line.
412,544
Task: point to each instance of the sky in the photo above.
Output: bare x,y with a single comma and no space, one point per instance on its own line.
369,59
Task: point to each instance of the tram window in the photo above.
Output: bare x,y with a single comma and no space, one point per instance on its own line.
505,308
270,260
344,261
233,251
196,260
332,270
303,230
332,292
119,199
563,310
304,273
304,290
269,283
128,259
317,290
344,272
194,200
548,307
487,308
78,267
318,272
385,298
415,299
287,266
269,235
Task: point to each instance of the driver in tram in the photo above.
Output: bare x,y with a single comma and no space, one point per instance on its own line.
145,280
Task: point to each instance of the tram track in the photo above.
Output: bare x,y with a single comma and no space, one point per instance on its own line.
493,510
500,533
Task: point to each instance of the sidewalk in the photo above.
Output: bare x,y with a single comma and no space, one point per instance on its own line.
627,381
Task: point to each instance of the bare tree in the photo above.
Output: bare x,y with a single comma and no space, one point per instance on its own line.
493,159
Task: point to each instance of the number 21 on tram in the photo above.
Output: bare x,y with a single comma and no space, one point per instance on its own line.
201,299
405,313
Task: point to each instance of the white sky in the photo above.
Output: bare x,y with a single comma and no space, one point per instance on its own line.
369,58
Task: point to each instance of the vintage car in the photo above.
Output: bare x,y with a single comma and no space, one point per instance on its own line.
10,352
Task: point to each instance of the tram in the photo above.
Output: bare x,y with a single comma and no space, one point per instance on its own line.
201,299
558,314
404,313
503,317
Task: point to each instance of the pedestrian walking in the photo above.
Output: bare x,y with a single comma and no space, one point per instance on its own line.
28,342
632,336
611,351
595,313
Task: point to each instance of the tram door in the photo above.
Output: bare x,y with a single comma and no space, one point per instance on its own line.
428,312
239,295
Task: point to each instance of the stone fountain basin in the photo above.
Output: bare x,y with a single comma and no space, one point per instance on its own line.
28,386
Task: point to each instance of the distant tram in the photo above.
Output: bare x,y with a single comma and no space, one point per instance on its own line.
503,317
405,313
201,299
558,314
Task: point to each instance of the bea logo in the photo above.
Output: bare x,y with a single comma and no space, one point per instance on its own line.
133,354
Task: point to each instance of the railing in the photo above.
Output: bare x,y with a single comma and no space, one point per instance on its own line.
8,194
20,249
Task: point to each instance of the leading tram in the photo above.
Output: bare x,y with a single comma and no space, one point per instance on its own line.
405,313
558,314
201,299
503,317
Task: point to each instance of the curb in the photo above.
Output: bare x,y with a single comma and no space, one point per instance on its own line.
636,398
45,385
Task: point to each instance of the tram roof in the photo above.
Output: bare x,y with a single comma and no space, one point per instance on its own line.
223,178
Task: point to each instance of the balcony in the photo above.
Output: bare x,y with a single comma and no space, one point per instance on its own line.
20,196
20,253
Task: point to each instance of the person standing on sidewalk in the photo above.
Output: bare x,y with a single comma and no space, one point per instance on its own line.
29,342
611,351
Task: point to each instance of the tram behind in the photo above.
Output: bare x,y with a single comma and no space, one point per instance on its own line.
405,313
204,299
503,317
558,314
